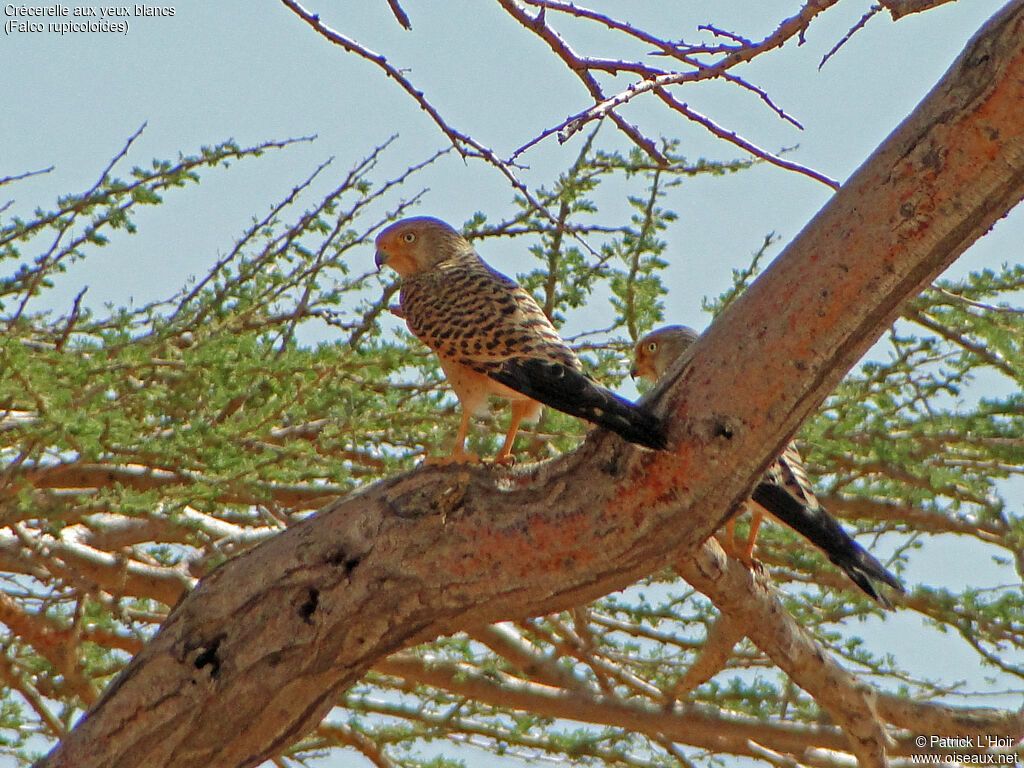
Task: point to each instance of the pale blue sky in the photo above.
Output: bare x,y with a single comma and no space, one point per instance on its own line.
252,71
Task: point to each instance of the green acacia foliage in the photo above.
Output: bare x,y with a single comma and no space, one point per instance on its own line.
140,447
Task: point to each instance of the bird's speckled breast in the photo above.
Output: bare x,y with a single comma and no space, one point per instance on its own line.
466,311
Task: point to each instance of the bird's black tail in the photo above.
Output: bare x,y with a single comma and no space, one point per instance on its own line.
572,392
818,527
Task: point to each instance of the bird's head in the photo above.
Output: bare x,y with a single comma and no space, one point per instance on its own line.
415,245
656,351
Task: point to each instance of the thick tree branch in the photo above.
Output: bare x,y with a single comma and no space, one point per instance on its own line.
260,650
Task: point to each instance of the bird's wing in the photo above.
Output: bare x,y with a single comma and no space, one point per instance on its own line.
788,470
569,391
821,529
469,313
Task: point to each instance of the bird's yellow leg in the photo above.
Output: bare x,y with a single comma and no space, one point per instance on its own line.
519,410
730,542
747,555
459,455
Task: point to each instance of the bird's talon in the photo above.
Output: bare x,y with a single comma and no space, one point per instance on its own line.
735,551
745,554
749,562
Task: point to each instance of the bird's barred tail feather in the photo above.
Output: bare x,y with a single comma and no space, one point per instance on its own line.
572,392
814,524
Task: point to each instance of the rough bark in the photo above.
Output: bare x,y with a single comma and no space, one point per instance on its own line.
260,650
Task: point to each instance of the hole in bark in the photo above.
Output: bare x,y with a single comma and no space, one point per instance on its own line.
723,430
342,558
309,607
208,657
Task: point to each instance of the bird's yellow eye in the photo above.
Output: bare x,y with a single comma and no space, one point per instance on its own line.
652,347
409,237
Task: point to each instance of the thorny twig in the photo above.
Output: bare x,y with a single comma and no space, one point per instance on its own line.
463,143
700,62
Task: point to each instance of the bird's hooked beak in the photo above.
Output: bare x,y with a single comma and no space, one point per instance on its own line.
380,259
634,372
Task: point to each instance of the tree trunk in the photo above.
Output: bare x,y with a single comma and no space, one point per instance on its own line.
259,652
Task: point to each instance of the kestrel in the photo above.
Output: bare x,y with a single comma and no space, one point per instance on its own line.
783,492
492,338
